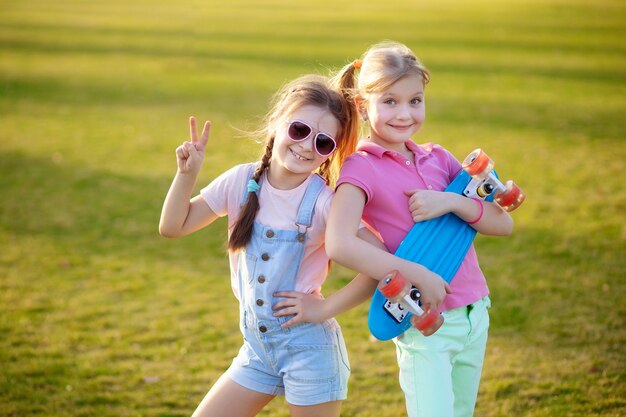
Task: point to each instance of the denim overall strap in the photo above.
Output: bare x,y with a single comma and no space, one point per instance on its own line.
307,206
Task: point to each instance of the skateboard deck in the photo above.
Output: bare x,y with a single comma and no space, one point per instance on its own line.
439,244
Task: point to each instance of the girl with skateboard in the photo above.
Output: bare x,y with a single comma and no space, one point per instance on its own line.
391,182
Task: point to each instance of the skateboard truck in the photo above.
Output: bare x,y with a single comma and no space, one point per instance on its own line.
478,164
398,289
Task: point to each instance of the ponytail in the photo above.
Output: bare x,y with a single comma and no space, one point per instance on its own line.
242,232
344,82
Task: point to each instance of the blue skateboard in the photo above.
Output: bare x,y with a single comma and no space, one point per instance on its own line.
441,244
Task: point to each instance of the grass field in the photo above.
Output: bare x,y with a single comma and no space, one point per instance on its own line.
99,316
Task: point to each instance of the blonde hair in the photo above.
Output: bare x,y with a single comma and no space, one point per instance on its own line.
380,67
387,62
314,90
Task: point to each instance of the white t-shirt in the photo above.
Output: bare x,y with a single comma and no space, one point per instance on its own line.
278,209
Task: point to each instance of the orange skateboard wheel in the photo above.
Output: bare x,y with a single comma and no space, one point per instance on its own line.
428,319
511,198
478,164
392,284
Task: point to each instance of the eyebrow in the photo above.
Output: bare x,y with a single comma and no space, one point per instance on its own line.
416,93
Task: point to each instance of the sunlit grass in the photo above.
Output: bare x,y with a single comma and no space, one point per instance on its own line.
100,316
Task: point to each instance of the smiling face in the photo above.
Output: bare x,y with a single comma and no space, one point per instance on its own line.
292,162
397,112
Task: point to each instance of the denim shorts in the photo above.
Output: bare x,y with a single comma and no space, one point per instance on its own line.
307,363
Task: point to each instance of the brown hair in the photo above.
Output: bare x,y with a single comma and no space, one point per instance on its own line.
312,90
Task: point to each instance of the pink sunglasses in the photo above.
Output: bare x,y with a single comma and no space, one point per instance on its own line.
299,131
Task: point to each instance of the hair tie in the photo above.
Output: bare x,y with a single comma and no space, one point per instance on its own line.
253,186
482,210
357,63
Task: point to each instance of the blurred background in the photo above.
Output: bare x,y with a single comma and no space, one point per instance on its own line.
101,316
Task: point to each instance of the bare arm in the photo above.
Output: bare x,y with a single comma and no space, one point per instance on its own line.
426,204
347,248
315,309
181,214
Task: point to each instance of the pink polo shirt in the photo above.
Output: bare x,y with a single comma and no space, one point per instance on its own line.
384,175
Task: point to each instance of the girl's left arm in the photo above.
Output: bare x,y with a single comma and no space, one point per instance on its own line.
487,218
313,308
310,308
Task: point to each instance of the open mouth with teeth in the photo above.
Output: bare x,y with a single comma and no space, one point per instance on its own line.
298,156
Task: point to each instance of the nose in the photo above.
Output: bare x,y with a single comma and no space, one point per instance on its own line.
403,112
309,143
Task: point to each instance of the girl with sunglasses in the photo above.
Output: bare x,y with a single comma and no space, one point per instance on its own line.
277,210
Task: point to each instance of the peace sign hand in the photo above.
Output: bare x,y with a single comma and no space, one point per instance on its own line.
190,155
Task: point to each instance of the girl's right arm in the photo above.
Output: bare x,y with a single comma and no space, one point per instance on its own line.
345,247
181,214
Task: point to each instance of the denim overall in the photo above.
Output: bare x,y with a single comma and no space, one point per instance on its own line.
308,362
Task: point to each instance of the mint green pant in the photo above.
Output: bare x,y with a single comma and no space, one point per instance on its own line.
440,374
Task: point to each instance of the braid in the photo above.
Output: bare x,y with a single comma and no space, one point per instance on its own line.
265,160
242,232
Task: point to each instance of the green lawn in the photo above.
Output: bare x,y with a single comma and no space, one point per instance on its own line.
102,317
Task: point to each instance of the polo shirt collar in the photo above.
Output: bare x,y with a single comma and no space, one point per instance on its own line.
374,149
